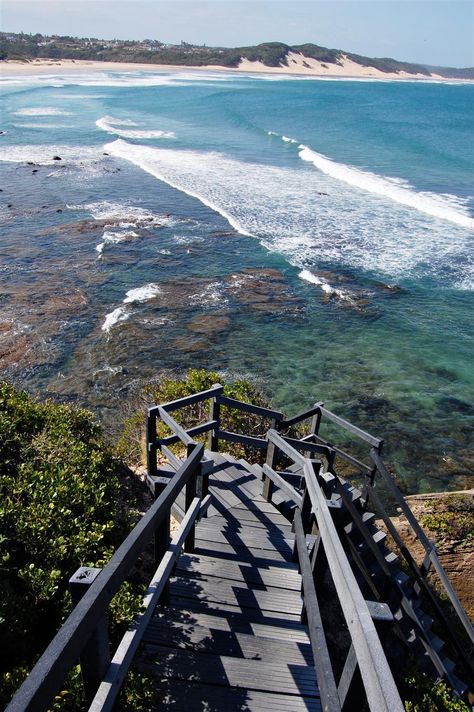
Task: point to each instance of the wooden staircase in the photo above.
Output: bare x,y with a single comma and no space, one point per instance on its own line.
239,613
231,637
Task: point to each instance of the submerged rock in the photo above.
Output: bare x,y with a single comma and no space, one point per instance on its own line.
209,324
262,290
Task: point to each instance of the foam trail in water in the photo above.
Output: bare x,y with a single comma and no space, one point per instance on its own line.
44,154
42,111
144,160
114,317
442,207
142,294
138,294
308,216
113,126
325,287
113,238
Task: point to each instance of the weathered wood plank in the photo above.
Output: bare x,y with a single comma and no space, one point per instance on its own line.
177,634
239,553
240,571
253,538
287,678
179,696
230,618
251,615
223,591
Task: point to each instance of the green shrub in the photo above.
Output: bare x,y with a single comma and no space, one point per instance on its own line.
59,509
131,444
427,696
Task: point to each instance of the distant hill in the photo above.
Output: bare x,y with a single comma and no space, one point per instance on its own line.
270,54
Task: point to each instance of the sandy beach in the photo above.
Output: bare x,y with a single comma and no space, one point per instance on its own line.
297,65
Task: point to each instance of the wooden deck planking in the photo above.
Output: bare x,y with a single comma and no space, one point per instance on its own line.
231,637
279,577
164,630
178,696
225,670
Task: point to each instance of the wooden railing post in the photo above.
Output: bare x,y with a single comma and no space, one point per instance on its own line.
95,657
162,534
151,436
215,414
271,460
315,423
190,494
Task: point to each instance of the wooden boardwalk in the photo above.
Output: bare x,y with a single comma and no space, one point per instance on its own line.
231,637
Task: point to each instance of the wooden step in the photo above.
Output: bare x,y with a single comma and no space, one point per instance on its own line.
226,671
177,696
164,630
259,557
215,590
231,618
240,571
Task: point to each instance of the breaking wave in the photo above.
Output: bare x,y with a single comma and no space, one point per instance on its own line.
308,216
121,127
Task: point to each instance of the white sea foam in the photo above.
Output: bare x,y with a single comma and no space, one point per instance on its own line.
325,287
122,313
142,294
114,238
123,215
114,317
211,295
42,111
140,156
44,154
40,126
442,206
115,126
286,210
439,206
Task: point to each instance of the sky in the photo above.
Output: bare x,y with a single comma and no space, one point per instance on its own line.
439,32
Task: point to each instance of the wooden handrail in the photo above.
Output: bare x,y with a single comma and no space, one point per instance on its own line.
174,426
109,688
327,685
45,679
380,688
187,400
376,442
425,542
249,408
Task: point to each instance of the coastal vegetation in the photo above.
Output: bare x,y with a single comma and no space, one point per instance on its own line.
131,444
272,54
67,500
61,507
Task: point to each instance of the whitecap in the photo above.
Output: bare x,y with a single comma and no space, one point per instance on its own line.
114,317
142,294
325,287
112,125
444,207
284,207
42,111
40,126
114,238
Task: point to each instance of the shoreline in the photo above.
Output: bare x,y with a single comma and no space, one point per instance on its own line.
300,68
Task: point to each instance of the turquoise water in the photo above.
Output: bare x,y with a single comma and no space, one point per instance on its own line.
315,235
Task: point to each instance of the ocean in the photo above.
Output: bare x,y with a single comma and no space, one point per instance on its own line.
315,235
